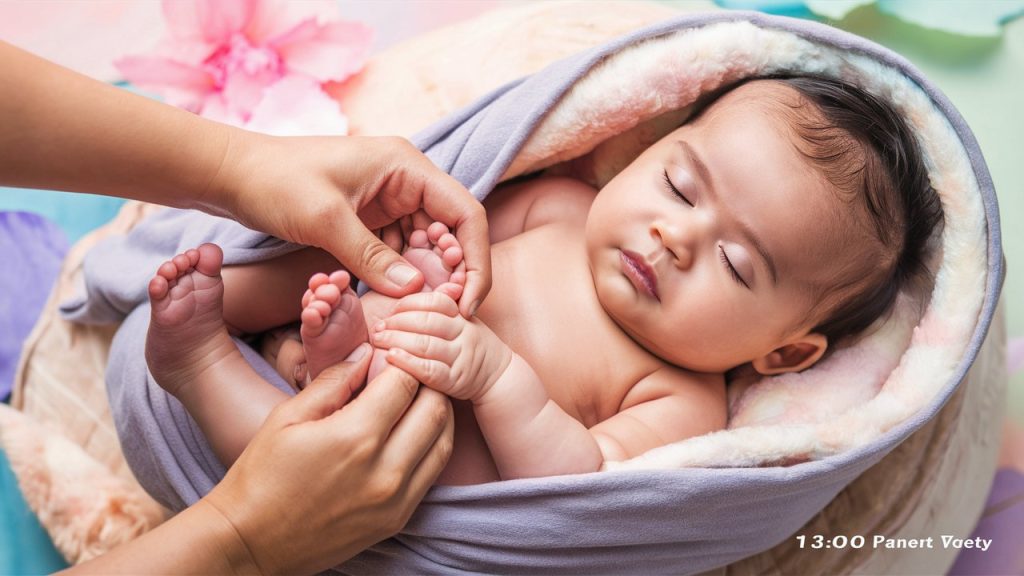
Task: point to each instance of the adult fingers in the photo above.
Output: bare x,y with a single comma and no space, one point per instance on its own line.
426,422
422,442
471,231
476,248
391,235
447,201
382,402
433,373
331,390
420,220
370,259
430,467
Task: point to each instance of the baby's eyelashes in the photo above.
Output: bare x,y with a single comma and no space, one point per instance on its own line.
680,184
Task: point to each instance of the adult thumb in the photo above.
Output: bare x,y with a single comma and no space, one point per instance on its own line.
372,261
331,390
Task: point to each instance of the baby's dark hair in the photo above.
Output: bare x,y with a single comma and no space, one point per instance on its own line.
867,152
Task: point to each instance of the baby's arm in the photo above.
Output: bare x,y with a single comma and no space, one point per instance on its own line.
464,359
527,432
530,435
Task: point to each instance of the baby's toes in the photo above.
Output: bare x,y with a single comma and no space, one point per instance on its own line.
193,257
419,239
182,263
317,280
168,271
451,250
435,231
459,274
314,314
341,279
328,293
158,288
452,290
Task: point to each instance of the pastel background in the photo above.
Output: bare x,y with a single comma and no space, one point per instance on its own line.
973,50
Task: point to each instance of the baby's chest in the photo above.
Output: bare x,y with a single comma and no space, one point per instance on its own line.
545,309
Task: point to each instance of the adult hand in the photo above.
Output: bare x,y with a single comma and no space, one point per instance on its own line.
330,192
323,480
318,191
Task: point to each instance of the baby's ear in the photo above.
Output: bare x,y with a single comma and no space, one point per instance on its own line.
795,356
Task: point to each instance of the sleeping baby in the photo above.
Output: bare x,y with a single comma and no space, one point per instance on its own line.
783,217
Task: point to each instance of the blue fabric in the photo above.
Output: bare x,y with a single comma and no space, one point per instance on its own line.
75,214
33,248
25,548
675,521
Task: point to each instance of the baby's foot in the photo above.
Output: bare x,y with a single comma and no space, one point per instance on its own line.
438,255
187,334
332,321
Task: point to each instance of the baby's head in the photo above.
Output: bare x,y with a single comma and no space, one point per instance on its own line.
784,217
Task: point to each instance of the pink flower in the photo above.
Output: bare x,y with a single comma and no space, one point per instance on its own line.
222,57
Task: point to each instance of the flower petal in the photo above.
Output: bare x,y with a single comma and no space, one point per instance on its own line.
296,106
180,84
215,108
268,18
210,21
242,91
154,71
332,51
304,31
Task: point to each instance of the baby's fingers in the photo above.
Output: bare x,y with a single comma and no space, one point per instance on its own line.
421,345
434,301
432,373
422,322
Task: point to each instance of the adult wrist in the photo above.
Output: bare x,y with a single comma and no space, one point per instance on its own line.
234,552
224,191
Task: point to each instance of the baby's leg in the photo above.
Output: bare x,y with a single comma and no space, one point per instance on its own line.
191,355
282,349
267,294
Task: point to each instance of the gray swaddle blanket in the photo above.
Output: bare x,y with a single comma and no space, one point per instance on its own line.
638,521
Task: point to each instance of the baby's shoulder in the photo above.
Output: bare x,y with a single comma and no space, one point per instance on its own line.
673,382
538,202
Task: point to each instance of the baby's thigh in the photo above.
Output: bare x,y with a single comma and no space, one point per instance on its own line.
264,295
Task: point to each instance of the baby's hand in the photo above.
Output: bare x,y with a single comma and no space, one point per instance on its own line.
426,337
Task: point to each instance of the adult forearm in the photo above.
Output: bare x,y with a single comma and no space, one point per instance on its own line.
64,131
528,433
199,540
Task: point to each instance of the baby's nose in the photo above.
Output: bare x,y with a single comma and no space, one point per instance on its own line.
678,240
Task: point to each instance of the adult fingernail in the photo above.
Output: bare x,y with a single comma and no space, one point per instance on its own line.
358,353
401,274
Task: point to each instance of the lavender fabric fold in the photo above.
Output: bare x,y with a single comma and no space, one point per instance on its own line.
665,521
33,248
